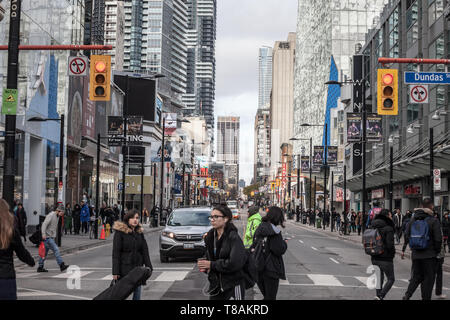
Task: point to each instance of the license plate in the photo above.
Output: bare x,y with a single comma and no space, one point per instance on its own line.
188,246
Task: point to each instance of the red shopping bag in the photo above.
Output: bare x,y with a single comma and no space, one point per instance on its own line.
42,250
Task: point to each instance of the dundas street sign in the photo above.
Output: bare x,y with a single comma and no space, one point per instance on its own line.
427,77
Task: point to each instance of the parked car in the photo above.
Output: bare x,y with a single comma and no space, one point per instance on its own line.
236,214
183,234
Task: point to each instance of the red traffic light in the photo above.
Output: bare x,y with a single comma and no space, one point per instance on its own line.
100,66
388,79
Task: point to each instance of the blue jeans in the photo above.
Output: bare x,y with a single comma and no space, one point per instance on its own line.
50,245
137,293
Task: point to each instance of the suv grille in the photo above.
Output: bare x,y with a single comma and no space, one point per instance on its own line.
189,237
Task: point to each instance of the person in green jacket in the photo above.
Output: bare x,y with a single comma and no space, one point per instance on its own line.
254,219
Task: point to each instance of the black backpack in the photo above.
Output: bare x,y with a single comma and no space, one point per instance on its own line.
373,242
260,254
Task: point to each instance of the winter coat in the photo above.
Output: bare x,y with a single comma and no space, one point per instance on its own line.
398,220
386,229
7,256
21,221
277,247
130,249
85,214
253,223
227,264
68,218
434,245
445,227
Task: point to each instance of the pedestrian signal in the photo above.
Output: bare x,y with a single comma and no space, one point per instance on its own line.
387,92
100,78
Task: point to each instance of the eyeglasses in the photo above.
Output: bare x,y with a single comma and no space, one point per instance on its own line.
214,217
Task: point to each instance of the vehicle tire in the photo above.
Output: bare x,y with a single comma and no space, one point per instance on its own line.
163,259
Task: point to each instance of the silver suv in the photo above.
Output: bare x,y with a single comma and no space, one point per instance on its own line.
183,235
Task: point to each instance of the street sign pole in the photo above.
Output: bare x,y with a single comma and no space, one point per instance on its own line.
11,83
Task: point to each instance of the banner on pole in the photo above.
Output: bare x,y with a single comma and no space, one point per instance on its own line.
115,131
305,163
318,155
332,155
171,123
135,130
374,127
353,127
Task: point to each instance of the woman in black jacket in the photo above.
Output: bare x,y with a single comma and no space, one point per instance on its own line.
225,257
76,218
130,248
269,277
10,242
383,222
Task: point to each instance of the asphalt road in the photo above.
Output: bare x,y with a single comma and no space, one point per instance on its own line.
318,267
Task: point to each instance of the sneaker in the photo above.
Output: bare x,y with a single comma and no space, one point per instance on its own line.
41,269
405,297
377,298
441,296
63,267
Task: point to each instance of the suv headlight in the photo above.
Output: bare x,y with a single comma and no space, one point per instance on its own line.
168,234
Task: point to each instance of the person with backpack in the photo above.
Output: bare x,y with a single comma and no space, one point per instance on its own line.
379,240
270,263
254,220
225,257
424,237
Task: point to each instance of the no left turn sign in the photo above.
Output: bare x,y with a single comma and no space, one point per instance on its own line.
418,93
77,66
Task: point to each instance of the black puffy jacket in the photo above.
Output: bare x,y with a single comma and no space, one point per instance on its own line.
227,265
6,257
386,228
130,249
277,247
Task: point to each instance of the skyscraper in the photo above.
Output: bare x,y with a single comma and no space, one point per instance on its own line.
264,76
324,48
262,144
228,129
114,31
201,72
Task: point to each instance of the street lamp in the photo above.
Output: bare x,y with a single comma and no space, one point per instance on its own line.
61,163
310,165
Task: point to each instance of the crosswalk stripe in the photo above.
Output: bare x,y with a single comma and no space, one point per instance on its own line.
108,277
300,241
325,280
335,261
314,249
67,275
284,282
172,276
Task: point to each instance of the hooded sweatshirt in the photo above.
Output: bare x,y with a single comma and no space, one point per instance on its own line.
385,227
435,234
253,223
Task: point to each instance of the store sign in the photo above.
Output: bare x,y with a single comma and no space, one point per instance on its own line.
398,192
378,194
411,190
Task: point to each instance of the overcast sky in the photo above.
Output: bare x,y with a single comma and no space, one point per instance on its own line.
243,26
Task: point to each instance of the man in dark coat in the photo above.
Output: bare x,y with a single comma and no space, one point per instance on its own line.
22,221
383,222
424,261
76,218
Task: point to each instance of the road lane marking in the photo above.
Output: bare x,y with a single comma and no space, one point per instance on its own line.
314,249
300,241
67,275
35,293
172,276
325,280
334,261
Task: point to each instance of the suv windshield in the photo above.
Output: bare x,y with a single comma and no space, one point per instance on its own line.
232,204
189,218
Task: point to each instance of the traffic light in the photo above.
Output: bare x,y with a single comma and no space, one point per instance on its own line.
100,78
387,92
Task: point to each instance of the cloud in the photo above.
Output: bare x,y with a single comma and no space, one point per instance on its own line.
243,26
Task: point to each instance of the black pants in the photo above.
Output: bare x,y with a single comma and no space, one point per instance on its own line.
235,293
84,227
423,274
398,234
386,268
439,264
268,286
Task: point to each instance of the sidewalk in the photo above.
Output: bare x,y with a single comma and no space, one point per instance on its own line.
73,243
353,237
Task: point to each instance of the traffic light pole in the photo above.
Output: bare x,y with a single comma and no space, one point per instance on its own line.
11,83
97,188
325,172
364,138
162,171
124,146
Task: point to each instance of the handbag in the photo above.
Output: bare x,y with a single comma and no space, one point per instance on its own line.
42,250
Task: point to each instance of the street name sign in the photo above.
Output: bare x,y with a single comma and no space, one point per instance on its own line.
427,77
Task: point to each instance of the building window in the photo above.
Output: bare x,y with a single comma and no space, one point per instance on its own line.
436,51
437,98
413,112
435,10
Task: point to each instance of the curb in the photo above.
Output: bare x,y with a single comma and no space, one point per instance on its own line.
445,267
83,247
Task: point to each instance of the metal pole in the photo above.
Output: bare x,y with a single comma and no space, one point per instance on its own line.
162,171
183,185
315,191
154,185
11,83
97,188
345,188
124,146
142,189
310,173
391,176
331,200
298,179
325,171
364,116
60,178
432,164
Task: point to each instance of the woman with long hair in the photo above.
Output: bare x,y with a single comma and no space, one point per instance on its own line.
10,242
269,231
130,248
225,257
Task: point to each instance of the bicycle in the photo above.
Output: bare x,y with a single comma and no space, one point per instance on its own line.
91,227
343,230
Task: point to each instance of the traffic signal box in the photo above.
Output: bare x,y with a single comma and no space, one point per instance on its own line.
387,92
100,78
